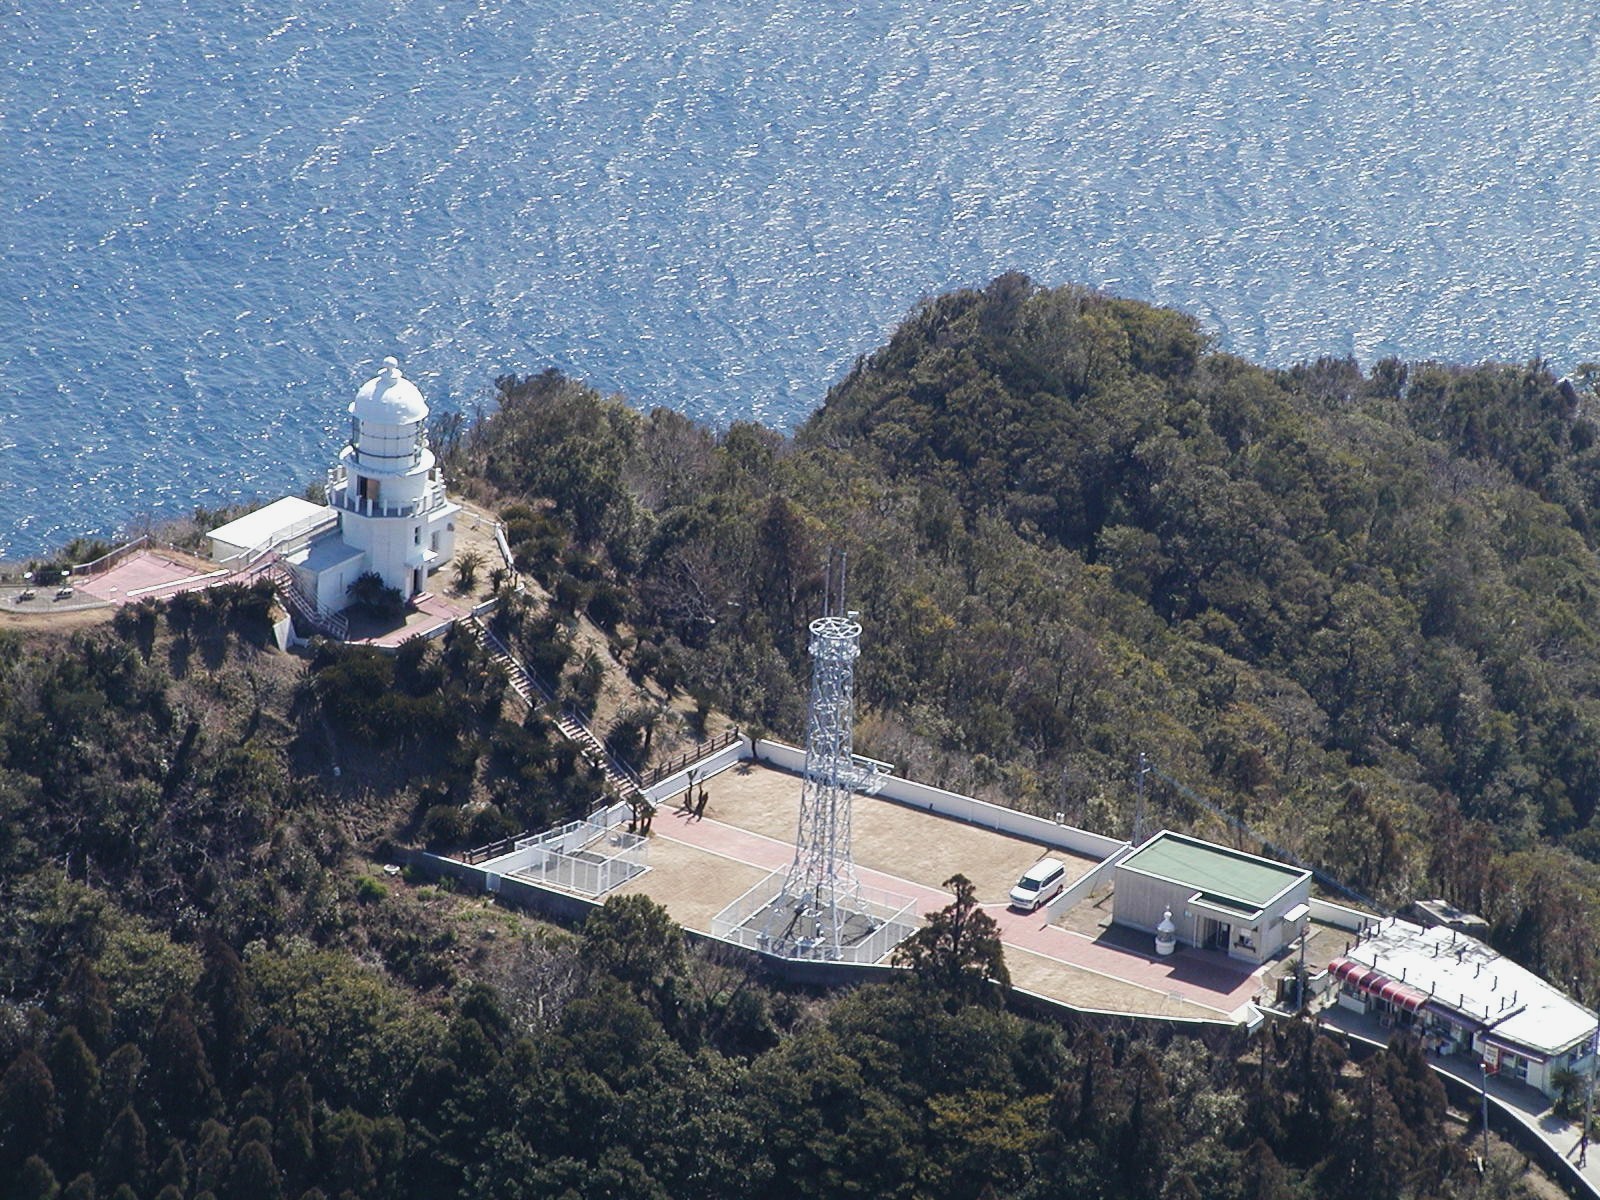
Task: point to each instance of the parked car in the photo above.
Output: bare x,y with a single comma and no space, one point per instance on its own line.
1039,884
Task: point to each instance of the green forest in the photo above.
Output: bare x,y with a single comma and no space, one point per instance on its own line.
1354,609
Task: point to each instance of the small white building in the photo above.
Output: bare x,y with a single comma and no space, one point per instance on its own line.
279,521
1245,905
1464,998
386,511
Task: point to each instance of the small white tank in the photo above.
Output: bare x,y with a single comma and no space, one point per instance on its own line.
1166,935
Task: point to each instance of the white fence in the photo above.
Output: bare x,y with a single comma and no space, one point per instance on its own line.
106,561
962,808
729,756
591,857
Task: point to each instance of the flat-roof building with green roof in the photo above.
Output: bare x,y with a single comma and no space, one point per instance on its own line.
1223,899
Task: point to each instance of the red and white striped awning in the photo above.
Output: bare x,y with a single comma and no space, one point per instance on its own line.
1376,983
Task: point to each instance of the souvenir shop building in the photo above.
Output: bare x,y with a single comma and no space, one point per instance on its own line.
1463,998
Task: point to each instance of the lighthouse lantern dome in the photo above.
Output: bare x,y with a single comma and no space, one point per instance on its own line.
389,398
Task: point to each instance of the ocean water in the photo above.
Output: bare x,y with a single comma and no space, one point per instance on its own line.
216,216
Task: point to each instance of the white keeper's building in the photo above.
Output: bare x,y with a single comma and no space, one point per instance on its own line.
386,511
1212,897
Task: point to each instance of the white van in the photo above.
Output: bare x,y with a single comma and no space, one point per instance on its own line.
1039,884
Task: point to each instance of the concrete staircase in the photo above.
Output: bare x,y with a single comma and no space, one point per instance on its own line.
533,691
271,568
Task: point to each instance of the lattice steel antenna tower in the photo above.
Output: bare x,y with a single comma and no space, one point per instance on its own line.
820,909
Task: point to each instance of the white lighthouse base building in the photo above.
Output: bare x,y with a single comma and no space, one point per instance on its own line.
386,513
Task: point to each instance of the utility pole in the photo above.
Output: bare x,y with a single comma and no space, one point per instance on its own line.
1138,802
1300,975
1483,1068
1588,1099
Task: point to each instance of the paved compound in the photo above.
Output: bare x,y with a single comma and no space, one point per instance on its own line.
748,832
150,573
160,574
143,573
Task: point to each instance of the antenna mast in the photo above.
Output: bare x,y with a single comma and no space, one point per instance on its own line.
1138,803
819,908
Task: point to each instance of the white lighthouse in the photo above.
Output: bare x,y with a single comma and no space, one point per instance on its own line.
387,490
386,510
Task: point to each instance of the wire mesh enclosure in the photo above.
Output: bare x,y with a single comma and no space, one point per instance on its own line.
590,857
862,929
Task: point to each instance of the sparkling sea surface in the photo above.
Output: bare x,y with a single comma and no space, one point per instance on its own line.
217,217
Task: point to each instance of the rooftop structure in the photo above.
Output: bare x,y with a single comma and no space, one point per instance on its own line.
1222,899
1442,912
273,523
1467,998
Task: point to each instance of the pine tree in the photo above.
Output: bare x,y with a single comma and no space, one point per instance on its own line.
83,1002
124,1151
959,950
254,1175
36,1181
293,1147
29,1114
1264,1177
121,1080
77,1078
179,1073
174,1170
228,1007
213,1157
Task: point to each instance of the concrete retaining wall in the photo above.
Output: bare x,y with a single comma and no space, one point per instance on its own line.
1081,888
729,756
1031,1004
561,906
1338,915
1507,1122
961,808
575,910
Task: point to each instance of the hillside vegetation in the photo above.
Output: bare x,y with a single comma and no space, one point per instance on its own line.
1357,611
206,993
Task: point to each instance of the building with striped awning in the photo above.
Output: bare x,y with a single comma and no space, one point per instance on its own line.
1463,998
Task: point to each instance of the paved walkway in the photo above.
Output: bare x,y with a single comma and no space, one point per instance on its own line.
149,573
1190,975
1525,1105
156,574
425,617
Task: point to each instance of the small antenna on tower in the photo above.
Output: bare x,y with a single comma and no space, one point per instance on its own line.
833,582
